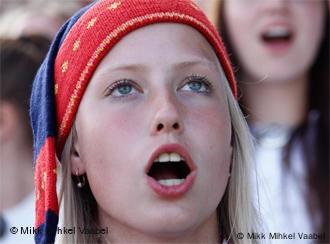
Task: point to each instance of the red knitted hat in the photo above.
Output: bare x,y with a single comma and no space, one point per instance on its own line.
59,86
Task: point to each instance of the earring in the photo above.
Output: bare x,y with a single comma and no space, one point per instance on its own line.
80,184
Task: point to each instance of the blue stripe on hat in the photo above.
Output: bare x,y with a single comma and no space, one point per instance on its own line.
42,104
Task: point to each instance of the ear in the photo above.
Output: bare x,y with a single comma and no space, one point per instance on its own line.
8,121
77,164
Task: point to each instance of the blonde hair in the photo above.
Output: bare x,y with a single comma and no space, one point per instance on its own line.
15,20
236,213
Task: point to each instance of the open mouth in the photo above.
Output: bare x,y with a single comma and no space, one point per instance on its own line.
169,169
277,35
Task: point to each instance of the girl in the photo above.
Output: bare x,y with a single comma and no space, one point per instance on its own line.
281,49
137,100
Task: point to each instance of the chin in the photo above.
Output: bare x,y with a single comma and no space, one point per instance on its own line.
282,77
169,224
169,230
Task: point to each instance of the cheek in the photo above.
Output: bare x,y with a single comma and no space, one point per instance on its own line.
107,145
212,128
109,132
239,18
311,24
211,135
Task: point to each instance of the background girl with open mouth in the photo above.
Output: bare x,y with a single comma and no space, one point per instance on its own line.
281,53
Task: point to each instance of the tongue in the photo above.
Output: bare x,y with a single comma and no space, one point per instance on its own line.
165,171
164,174
277,41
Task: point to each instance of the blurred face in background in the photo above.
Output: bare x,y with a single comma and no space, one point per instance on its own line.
275,39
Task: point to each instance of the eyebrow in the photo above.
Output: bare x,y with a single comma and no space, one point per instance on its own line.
193,62
179,65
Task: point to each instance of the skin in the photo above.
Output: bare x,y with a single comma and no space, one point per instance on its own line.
117,134
277,92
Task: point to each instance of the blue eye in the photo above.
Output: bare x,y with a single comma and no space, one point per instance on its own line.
121,88
198,84
124,89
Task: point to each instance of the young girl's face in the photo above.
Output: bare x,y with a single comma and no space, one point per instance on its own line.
158,92
275,39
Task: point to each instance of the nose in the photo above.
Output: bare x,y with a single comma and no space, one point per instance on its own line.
277,2
277,6
167,118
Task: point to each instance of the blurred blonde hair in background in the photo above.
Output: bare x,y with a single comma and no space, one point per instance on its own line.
28,17
210,7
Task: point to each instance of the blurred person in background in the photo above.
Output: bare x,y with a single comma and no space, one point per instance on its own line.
280,49
36,16
19,61
210,8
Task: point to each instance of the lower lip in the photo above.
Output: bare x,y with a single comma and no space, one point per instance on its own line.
172,191
278,47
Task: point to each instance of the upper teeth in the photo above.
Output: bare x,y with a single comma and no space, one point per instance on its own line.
277,32
168,157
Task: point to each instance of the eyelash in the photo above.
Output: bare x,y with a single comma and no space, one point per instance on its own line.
192,78
119,83
199,78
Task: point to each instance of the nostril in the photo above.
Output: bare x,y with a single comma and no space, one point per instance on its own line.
176,126
160,127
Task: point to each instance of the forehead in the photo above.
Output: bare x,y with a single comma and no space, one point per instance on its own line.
162,44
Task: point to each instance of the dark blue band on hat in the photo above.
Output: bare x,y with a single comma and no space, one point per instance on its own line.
42,104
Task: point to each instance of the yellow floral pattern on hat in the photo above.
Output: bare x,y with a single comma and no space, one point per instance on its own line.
91,23
114,5
76,45
65,66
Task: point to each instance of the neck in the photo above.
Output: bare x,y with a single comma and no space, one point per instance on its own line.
283,102
207,232
16,175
